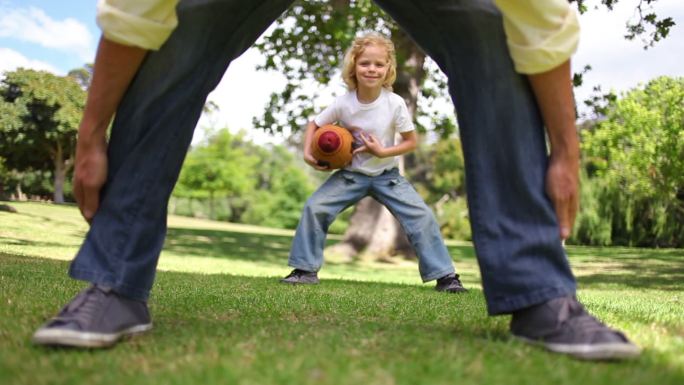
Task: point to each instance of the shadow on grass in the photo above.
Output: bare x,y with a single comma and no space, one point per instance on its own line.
620,253
25,242
235,245
48,219
226,244
630,267
233,313
634,268
667,278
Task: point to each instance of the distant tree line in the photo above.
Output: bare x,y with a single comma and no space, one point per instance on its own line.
633,165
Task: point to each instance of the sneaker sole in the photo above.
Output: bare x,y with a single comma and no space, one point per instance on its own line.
606,351
451,291
65,337
299,283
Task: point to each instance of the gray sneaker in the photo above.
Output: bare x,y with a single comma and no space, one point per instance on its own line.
304,277
96,318
450,284
562,325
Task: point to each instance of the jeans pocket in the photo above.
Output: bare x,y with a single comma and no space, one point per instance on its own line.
404,190
348,179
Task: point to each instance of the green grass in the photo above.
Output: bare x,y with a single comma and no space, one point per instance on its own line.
221,316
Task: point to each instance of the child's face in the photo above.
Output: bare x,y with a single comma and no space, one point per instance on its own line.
371,67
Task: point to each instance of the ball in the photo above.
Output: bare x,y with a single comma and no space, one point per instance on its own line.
332,146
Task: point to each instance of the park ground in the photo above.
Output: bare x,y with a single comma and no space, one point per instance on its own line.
222,317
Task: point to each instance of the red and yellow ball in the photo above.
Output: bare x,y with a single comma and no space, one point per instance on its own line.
332,146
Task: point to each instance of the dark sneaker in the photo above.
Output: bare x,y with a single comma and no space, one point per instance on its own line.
301,277
562,325
450,284
96,318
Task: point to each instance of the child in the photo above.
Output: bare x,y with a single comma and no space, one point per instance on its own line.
374,114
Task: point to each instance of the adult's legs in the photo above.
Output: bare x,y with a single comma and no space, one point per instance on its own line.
514,225
340,191
418,222
151,134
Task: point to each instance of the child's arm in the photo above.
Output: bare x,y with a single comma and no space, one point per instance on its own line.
308,140
372,144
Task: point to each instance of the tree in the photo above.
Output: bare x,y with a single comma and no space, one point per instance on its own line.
645,24
646,21
307,45
83,75
221,166
437,171
262,185
39,117
636,157
282,188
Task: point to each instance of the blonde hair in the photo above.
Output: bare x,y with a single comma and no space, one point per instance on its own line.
358,46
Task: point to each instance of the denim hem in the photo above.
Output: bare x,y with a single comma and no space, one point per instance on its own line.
106,280
304,267
510,304
440,274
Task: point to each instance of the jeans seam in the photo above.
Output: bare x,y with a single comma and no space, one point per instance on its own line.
132,220
304,266
399,219
509,305
105,280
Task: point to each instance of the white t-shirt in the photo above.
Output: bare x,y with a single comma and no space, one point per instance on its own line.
384,118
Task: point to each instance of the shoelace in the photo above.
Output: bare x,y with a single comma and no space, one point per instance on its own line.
297,273
450,279
574,315
83,308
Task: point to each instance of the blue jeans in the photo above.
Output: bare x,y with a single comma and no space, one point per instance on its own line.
345,188
151,134
514,224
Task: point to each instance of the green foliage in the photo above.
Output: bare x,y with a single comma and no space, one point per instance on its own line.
594,222
39,117
307,44
221,167
229,178
437,172
4,179
83,75
645,21
637,153
283,189
40,111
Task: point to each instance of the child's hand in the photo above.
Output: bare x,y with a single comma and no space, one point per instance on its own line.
315,163
371,144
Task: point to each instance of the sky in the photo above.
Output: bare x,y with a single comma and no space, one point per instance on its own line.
58,36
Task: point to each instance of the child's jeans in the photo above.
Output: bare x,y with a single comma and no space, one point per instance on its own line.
345,188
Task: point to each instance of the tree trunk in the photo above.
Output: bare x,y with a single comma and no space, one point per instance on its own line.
373,232
60,176
20,194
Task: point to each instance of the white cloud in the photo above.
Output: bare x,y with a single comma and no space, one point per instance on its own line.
33,25
12,60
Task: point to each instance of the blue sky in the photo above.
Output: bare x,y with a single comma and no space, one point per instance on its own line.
60,35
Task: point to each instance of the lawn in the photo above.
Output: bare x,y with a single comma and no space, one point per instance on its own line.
222,317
